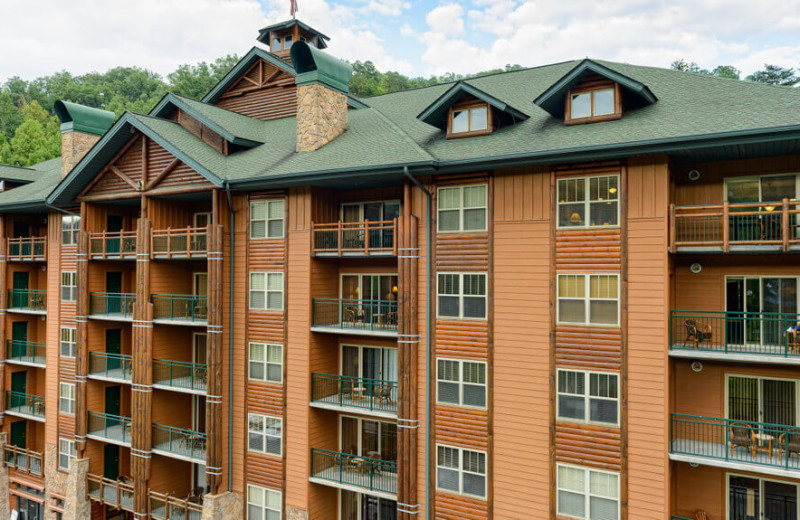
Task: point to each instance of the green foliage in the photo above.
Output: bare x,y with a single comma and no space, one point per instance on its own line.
775,75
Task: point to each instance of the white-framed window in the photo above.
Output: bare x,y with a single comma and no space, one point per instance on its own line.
462,208
588,396
469,119
263,503
266,362
462,471
287,42
266,291
588,299
66,452
587,493
462,295
69,286
68,335
588,201
593,103
66,398
264,434
70,225
461,383
266,219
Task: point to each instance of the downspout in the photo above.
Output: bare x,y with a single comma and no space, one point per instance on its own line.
230,346
428,233
48,205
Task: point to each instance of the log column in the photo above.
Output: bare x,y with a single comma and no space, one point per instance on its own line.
81,335
142,388
3,306
214,347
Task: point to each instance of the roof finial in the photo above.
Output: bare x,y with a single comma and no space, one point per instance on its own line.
292,7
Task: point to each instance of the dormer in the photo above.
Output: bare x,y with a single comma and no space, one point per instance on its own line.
281,36
591,93
466,111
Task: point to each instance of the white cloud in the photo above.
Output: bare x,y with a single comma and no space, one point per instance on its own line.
446,19
388,7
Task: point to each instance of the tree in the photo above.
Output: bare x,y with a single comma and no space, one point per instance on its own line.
726,71
685,66
37,139
775,75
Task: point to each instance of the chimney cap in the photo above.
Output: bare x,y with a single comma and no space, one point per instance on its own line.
80,118
315,66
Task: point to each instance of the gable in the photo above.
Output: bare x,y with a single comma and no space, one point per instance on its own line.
264,92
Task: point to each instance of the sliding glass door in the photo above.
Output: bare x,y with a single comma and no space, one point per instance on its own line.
759,499
375,212
754,399
769,190
368,438
760,309
358,506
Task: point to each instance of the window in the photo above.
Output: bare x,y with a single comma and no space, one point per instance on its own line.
461,471
588,201
276,44
66,398
266,219
69,286
287,42
598,402
263,504
600,308
462,295
66,452
68,342
470,120
266,291
461,383
70,225
586,493
266,362
264,434
599,103
462,208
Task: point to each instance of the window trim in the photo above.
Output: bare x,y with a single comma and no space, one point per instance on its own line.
587,490
617,114
266,346
74,227
460,295
587,397
264,435
266,291
264,508
587,301
461,384
468,106
267,219
73,289
74,334
461,209
461,472
762,479
71,454
70,398
587,204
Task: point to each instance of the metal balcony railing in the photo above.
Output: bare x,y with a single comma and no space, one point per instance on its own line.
110,427
180,307
25,404
111,366
115,493
352,470
114,305
179,243
354,392
368,315
27,300
27,249
120,244
22,460
179,441
166,507
27,352
180,375
355,238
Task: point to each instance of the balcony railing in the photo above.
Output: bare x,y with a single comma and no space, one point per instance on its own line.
111,366
180,375
179,441
352,470
27,300
115,245
180,307
113,305
185,242
26,352
110,427
25,461
165,507
761,444
25,404
111,492
366,315
355,238
741,226
27,249
354,392
760,333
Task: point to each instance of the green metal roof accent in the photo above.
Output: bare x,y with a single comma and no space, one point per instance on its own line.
436,113
315,66
82,118
263,34
241,68
635,94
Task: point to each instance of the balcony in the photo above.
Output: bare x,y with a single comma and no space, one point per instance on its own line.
165,507
22,460
736,228
28,249
114,493
739,445
27,301
180,309
120,245
752,337
25,405
357,239
25,353
109,428
181,243
355,394
179,443
110,367
360,474
363,317
112,306
180,376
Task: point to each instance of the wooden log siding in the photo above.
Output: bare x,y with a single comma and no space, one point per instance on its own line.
589,445
3,306
588,348
214,391
462,252
264,92
588,250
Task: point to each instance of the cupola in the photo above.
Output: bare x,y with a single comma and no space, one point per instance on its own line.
281,36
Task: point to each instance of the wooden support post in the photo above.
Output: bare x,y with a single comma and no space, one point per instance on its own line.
672,228
3,305
214,358
726,228
785,224
81,335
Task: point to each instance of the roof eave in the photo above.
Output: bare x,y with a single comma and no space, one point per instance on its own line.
431,114
240,68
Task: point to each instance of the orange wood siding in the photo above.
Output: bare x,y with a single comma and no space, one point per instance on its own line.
462,252
587,445
588,250
588,348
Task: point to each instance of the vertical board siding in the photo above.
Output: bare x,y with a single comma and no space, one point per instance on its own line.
522,194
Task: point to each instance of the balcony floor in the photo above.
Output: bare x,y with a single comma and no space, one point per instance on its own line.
349,404
180,384
176,513
180,450
112,317
348,479
114,375
113,434
742,353
182,322
37,361
688,450
377,331
109,496
26,412
27,311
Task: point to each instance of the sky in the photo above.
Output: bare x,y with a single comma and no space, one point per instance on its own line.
414,37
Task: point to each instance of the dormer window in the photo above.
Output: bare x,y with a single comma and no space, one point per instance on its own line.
276,44
471,119
592,105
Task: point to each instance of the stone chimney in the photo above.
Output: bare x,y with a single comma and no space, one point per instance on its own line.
322,87
81,128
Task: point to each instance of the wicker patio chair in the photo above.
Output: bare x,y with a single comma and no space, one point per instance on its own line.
740,435
697,332
789,443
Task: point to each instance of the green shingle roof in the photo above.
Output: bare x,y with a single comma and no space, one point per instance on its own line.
32,196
